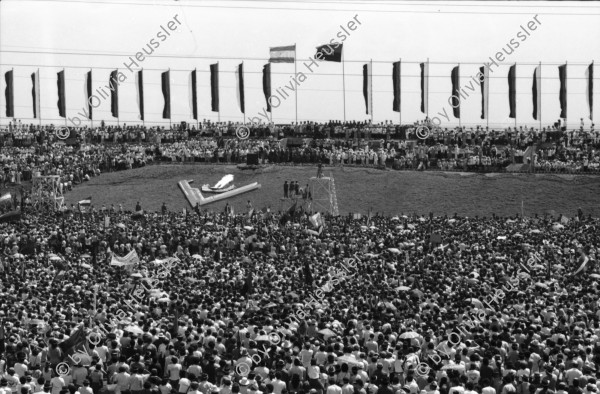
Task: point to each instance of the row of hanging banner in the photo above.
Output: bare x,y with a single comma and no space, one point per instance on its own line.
287,54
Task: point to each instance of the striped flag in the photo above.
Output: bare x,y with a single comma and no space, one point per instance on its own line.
589,89
239,79
88,93
485,92
113,86
267,84
536,91
396,82
139,85
512,91
285,54
193,96
424,87
455,77
9,94
214,87
562,75
35,93
166,91
368,87
61,103
86,202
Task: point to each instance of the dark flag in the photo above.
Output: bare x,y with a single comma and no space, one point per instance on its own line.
9,94
75,342
166,91
62,105
330,53
289,215
193,96
267,84
455,77
113,85
424,87
214,87
35,93
88,92
485,92
536,91
139,83
512,91
307,274
367,87
239,79
589,89
562,75
175,331
396,87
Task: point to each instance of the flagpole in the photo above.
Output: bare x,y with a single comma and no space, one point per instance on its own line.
65,96
566,114
219,111
344,85
487,103
242,87
296,90
118,122
142,95
39,109
169,82
91,116
458,96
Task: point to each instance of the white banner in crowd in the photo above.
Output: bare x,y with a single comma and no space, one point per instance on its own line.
131,259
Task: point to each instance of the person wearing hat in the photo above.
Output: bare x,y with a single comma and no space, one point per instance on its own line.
243,385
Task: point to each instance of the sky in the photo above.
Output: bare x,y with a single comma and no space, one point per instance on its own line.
79,35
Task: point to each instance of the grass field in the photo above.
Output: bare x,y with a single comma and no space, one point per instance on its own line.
358,189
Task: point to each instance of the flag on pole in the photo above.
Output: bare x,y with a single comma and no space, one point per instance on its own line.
424,87
536,90
166,91
239,91
9,94
589,89
512,91
74,344
84,204
214,87
367,87
562,75
285,54
35,93
193,96
88,93
485,92
139,83
396,87
267,84
113,85
330,53
584,260
60,82
455,77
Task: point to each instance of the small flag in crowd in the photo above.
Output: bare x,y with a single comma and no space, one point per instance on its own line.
330,52
77,341
166,91
86,201
284,54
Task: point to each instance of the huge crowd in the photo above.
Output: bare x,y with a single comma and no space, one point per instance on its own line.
120,302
